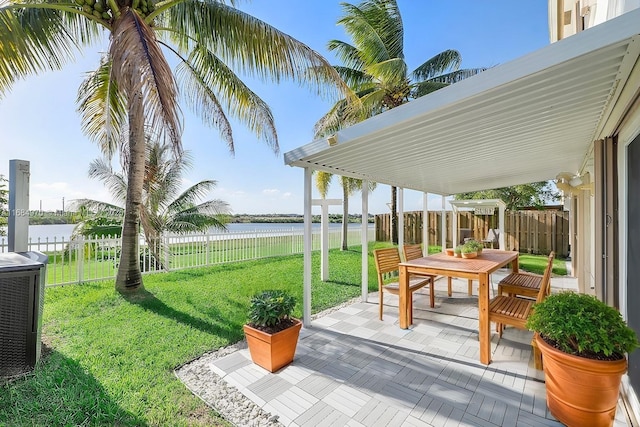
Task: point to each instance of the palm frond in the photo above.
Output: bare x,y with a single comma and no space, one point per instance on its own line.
191,195
251,46
32,40
458,75
347,54
140,69
446,61
115,182
210,83
391,72
98,208
102,108
323,182
213,213
356,79
425,88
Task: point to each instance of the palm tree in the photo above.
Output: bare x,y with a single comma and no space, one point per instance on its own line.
374,67
162,208
134,89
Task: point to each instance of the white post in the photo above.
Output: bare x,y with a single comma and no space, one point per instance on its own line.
443,221
501,222
18,223
400,217
324,233
454,226
306,293
364,238
425,224
324,243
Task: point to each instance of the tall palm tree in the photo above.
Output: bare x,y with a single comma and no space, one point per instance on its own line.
134,89
374,67
162,208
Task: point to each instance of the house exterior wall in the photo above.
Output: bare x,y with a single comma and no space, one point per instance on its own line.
629,131
568,17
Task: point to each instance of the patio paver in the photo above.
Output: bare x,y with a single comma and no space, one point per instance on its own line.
352,369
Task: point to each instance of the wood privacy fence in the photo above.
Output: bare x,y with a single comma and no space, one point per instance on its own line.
537,232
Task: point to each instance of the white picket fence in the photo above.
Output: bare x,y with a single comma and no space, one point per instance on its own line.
91,259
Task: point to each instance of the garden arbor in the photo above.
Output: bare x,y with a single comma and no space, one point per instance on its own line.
479,207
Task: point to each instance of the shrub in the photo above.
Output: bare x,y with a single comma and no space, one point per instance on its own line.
269,308
582,325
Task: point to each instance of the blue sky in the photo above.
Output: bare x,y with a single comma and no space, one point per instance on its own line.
39,121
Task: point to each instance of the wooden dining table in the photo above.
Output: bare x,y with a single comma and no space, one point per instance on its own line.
478,268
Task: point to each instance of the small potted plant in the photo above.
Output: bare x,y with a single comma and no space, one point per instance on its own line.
468,251
584,345
478,246
272,334
457,251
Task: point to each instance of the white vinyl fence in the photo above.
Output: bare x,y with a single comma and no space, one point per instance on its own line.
90,259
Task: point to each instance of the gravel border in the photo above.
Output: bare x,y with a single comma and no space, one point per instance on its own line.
225,399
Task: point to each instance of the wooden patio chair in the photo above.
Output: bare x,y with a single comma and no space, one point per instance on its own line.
387,261
524,284
492,237
414,251
513,310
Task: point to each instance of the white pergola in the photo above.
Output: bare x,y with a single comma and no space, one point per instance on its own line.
474,205
519,122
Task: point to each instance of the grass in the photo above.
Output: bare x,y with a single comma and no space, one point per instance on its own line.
537,264
110,359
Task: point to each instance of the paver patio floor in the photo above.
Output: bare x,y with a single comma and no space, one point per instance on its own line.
352,369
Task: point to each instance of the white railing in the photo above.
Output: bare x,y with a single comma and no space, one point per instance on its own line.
90,259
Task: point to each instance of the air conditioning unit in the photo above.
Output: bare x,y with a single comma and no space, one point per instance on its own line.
22,282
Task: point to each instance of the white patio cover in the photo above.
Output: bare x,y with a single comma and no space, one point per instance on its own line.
523,121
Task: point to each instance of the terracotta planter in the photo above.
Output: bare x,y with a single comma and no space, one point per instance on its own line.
272,351
469,255
580,391
449,251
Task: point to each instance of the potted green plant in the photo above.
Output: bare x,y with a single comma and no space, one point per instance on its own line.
584,345
478,246
468,251
272,334
457,251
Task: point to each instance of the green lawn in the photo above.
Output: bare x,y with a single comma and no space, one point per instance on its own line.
109,360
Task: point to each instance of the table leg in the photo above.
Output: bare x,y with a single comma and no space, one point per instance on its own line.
403,296
514,265
483,319
449,291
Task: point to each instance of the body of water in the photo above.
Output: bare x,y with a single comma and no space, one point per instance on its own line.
63,231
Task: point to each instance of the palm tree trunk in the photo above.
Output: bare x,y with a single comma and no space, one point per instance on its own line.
394,216
129,278
345,217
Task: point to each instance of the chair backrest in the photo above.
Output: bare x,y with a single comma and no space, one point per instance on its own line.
545,284
412,251
387,260
492,235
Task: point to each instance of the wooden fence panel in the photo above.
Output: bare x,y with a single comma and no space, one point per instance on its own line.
537,232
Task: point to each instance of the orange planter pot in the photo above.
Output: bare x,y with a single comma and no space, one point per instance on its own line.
272,351
580,391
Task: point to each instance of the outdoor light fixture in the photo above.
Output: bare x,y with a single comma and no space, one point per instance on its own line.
575,181
332,140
